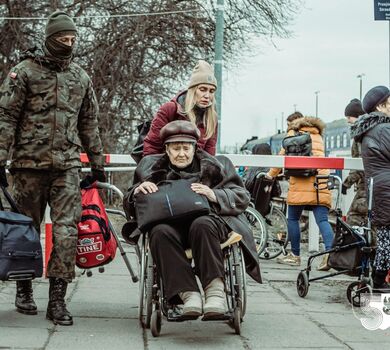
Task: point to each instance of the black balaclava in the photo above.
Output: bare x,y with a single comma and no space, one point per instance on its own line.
57,49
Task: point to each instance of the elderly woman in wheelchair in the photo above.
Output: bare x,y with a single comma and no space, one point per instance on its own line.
214,178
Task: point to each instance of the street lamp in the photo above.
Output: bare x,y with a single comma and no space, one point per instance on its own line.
295,107
360,77
316,93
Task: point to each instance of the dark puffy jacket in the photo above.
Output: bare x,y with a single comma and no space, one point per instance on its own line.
169,112
373,131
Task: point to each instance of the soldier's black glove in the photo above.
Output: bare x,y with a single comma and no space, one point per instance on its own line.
96,175
3,177
344,189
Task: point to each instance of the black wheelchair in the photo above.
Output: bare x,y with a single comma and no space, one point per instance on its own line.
153,304
273,218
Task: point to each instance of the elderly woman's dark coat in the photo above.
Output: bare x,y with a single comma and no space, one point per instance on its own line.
373,131
219,174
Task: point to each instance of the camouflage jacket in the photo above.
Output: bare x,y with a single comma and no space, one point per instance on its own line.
48,112
355,176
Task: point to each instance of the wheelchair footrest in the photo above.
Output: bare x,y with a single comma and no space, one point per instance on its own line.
175,315
226,317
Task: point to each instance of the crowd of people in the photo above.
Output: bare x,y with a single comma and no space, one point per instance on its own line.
48,113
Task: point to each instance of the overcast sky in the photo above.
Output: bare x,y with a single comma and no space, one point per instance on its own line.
333,41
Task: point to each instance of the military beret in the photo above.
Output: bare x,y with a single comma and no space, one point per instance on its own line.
179,131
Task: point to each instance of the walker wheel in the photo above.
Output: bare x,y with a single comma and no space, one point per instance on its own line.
302,284
89,273
237,320
155,323
101,269
354,291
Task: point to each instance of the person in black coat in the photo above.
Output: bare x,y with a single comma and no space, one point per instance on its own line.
250,176
217,180
373,131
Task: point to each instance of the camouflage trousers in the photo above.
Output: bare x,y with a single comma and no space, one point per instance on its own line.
33,190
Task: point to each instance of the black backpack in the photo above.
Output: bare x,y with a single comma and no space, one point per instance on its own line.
299,144
138,148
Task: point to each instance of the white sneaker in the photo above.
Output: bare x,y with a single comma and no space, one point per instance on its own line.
192,303
215,304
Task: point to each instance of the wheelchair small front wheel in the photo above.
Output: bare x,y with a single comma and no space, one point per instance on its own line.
237,320
302,284
155,323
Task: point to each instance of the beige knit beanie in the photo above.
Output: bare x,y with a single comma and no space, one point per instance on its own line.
203,73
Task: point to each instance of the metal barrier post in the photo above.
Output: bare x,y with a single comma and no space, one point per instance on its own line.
314,234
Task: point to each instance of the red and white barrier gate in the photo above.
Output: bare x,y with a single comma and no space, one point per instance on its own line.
238,160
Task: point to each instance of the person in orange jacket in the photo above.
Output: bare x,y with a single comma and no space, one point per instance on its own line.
303,195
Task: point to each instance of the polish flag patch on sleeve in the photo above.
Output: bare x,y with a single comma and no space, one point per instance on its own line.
12,75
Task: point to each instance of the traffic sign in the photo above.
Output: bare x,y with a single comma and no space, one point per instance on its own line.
382,10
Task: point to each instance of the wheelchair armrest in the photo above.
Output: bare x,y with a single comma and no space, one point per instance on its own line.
234,237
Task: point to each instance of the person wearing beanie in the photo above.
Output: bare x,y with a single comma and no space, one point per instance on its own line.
372,130
60,35
353,110
217,180
195,104
48,115
358,211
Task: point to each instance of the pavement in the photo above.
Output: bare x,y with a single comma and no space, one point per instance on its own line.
105,308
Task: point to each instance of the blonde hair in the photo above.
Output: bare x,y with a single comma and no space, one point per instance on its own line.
210,119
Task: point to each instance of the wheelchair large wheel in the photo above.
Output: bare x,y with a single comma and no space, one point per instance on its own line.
240,278
145,285
258,227
277,234
149,290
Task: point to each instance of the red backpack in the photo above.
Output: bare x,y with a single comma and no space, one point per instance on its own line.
96,244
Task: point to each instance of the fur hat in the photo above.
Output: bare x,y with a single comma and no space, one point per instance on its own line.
354,109
374,97
59,21
203,73
179,131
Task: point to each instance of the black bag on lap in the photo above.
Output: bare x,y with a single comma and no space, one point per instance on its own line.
20,246
174,200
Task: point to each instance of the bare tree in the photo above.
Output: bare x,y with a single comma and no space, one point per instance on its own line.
138,61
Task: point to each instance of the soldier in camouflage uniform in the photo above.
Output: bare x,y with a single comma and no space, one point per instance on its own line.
48,113
357,213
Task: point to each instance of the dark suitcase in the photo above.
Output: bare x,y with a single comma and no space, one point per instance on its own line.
20,246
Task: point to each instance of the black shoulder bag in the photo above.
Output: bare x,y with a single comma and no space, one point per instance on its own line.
174,200
138,148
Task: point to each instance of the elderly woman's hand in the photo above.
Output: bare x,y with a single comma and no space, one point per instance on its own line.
205,190
146,187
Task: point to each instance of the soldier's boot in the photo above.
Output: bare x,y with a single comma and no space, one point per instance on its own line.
24,301
56,308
